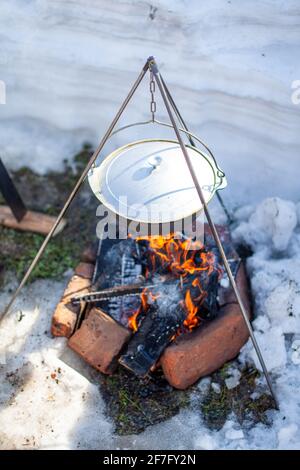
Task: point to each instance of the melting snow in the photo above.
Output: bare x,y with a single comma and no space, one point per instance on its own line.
233,378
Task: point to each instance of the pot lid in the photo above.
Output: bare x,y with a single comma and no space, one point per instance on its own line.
149,181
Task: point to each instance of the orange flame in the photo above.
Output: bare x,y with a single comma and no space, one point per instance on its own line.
178,257
147,297
132,321
191,320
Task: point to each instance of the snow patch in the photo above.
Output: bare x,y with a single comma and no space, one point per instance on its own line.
233,378
271,224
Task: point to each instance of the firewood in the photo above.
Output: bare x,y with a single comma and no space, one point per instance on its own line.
31,222
154,334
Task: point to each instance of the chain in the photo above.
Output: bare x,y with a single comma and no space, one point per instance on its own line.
152,92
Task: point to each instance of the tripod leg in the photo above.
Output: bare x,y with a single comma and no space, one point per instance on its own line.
154,68
192,142
77,187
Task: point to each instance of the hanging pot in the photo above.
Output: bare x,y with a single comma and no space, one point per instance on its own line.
148,181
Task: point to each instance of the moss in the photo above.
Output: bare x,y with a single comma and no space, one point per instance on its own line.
18,249
82,157
135,404
224,371
216,407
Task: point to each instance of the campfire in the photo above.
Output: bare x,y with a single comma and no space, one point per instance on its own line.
184,278
186,264
150,295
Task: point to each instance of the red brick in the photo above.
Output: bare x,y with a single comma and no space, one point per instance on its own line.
63,321
85,270
206,349
99,341
89,255
65,315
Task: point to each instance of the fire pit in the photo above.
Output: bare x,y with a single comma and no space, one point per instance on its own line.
172,308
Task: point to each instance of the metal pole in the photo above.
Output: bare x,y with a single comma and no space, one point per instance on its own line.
154,68
183,124
11,194
77,187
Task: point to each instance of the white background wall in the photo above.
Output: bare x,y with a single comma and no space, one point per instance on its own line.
67,64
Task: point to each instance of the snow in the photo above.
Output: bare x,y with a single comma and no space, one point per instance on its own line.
67,66
268,341
204,384
233,378
234,434
286,434
271,224
43,397
49,399
296,352
216,387
205,442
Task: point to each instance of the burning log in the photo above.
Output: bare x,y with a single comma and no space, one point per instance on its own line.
118,264
160,324
197,268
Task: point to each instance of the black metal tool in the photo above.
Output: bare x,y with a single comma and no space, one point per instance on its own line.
11,194
110,293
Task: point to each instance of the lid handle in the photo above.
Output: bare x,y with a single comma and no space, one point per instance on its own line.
154,162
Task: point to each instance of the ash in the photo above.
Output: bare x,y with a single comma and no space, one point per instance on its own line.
168,298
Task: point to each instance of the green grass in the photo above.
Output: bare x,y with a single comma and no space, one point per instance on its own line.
20,248
217,406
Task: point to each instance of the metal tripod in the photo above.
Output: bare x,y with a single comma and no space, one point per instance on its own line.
171,108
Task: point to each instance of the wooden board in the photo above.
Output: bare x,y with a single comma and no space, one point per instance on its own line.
31,222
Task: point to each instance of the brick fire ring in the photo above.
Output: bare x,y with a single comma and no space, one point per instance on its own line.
100,340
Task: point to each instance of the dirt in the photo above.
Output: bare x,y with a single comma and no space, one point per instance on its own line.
135,404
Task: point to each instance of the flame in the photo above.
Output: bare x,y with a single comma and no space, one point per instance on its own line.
132,321
147,297
180,258
191,320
